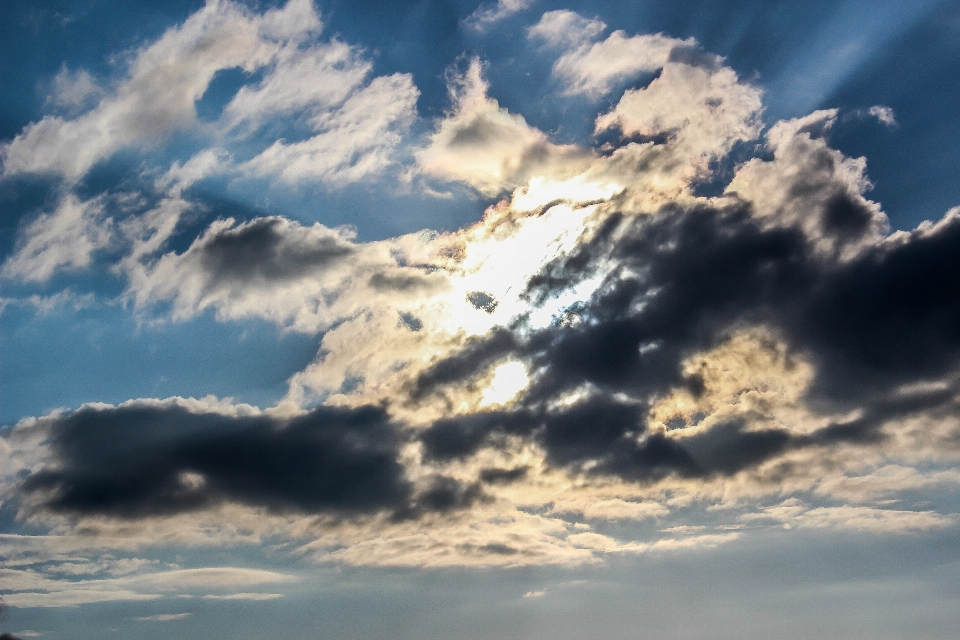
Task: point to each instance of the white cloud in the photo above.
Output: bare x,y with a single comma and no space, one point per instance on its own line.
244,596
483,145
277,269
617,509
311,80
355,140
565,28
607,544
486,16
888,480
65,238
73,89
810,185
794,513
158,97
357,126
74,597
32,588
883,114
594,68
164,617
207,578
704,110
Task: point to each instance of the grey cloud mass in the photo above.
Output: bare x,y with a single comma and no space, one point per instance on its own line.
142,460
135,461
685,280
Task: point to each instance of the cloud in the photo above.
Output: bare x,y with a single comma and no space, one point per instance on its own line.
343,127
244,596
607,343
705,273
483,145
157,458
618,509
883,114
813,186
354,125
164,82
565,28
858,518
486,16
164,617
30,588
65,238
353,141
291,86
593,68
606,544
704,107
73,90
75,597
269,267
888,480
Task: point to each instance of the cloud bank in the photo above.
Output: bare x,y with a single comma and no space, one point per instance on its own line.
608,344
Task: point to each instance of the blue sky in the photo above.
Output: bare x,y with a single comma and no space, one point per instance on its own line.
519,319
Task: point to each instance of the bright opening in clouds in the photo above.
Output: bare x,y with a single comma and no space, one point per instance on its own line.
525,319
509,379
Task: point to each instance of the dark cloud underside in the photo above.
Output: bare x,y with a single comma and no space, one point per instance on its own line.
137,461
685,281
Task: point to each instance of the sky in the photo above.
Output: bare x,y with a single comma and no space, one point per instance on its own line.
517,319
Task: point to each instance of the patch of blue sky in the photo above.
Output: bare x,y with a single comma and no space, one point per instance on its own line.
856,32
915,166
66,356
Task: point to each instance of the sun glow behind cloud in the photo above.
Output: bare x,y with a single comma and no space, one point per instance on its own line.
509,379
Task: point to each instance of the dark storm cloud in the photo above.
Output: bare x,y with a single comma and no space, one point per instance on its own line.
442,495
261,251
889,318
143,460
685,281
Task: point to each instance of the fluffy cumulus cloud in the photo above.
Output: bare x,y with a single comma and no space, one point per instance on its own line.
593,67
483,145
607,363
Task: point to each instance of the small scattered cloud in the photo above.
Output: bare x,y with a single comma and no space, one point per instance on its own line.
65,238
883,114
593,67
244,596
164,617
486,16
73,90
